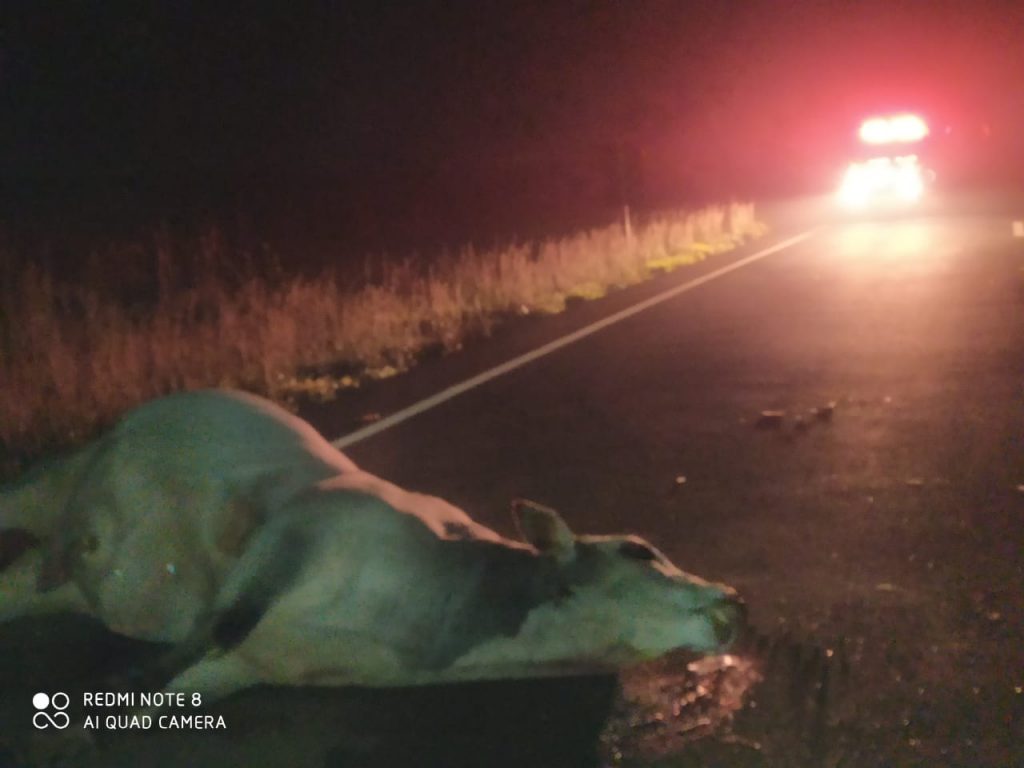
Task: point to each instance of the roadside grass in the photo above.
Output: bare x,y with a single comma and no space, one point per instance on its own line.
73,356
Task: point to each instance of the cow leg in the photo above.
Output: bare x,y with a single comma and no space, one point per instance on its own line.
209,680
19,595
35,502
264,572
215,678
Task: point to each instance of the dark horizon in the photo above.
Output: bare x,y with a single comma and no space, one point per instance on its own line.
358,122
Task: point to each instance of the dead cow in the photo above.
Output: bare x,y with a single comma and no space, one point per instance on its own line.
140,526
339,577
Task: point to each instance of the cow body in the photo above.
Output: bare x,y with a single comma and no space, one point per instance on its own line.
238,534
146,520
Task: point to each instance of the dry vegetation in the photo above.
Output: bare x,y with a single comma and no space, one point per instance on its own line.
73,356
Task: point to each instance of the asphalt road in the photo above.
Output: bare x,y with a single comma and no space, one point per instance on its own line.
890,534
897,525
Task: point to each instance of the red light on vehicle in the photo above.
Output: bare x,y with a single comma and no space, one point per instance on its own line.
909,128
882,180
875,131
901,129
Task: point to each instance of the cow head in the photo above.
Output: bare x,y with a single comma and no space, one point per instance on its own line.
623,600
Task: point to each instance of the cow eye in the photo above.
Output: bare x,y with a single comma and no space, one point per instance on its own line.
634,550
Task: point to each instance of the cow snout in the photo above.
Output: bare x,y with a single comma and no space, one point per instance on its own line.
729,619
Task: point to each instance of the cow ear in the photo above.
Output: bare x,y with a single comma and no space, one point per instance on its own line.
544,529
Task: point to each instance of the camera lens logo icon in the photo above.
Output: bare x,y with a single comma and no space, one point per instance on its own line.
43,703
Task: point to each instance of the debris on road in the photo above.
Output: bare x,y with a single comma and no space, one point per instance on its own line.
770,420
914,482
824,413
369,418
680,479
775,419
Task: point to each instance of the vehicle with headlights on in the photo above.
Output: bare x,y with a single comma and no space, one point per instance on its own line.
889,172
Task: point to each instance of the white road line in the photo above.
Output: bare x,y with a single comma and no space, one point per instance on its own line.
499,370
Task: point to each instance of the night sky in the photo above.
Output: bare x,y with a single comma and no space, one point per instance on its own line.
467,118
